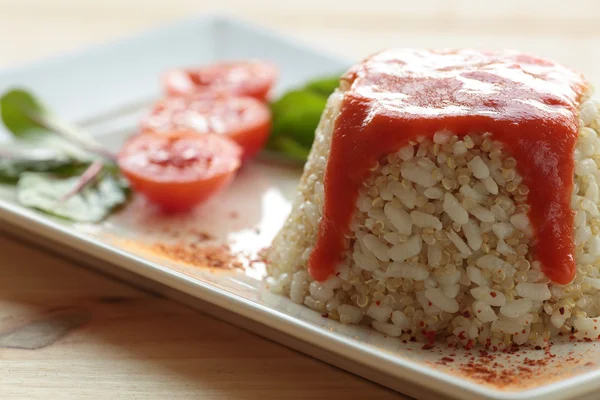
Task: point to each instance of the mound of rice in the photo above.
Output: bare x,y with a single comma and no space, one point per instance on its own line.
440,242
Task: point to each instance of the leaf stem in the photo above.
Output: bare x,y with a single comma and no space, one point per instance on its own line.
88,176
69,133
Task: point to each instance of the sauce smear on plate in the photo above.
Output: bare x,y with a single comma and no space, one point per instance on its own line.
527,103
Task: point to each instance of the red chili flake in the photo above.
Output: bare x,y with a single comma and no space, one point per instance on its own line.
421,324
378,302
427,346
523,331
430,335
337,274
324,315
461,335
538,347
448,359
478,311
430,304
201,236
572,337
404,341
469,344
203,256
561,311
493,294
413,339
466,314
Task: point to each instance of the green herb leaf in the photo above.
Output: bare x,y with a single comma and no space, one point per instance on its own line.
290,147
16,108
324,86
27,118
296,116
87,177
16,159
92,203
62,175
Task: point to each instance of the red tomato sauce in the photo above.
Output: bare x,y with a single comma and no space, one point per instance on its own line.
527,103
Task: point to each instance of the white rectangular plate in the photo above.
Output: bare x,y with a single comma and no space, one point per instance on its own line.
107,88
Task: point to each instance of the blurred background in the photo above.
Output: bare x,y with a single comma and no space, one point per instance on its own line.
565,30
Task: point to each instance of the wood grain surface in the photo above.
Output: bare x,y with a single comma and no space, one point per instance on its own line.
67,333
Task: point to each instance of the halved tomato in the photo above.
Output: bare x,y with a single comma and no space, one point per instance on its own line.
245,78
179,170
245,120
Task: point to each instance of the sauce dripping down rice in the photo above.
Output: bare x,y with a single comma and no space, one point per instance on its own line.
527,103
501,289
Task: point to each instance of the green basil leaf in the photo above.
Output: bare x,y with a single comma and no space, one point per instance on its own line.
290,148
16,108
46,192
16,159
324,86
28,118
297,114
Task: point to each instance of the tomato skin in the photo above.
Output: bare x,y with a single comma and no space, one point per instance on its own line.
175,198
245,120
253,139
178,171
244,78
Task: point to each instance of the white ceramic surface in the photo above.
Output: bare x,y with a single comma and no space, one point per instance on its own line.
106,89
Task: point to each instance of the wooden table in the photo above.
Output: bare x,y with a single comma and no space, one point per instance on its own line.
66,332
